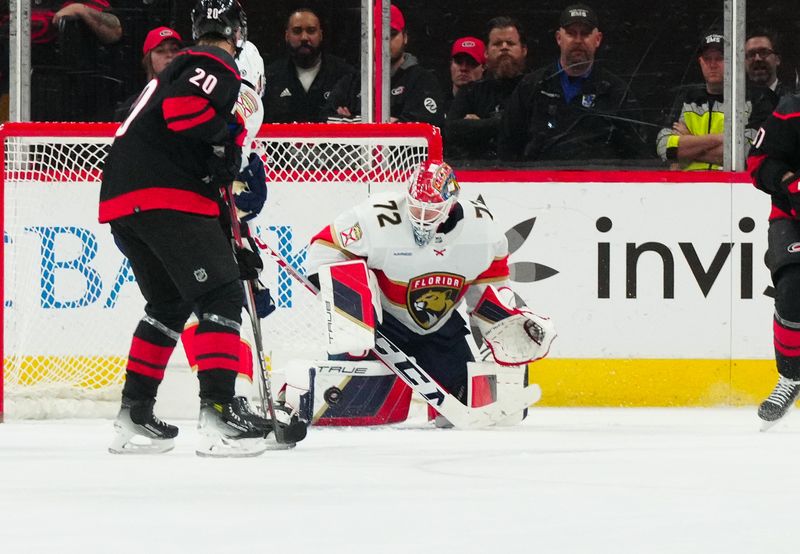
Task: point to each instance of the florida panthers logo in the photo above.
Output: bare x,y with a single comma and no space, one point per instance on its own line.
432,296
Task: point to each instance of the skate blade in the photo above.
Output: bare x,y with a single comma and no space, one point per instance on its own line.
222,447
131,443
767,425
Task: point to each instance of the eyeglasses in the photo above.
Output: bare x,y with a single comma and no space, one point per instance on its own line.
762,53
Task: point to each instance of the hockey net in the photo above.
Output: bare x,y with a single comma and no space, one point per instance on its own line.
70,300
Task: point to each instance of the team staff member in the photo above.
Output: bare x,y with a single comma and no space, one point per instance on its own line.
694,141
473,120
160,193
415,92
298,85
774,165
573,109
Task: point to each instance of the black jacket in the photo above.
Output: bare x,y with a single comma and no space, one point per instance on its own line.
161,160
600,123
477,138
285,99
415,95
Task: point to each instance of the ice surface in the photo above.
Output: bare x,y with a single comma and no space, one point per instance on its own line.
567,480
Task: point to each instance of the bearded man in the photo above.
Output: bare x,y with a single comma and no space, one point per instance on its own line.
298,85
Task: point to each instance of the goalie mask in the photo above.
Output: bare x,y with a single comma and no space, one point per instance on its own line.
220,17
432,192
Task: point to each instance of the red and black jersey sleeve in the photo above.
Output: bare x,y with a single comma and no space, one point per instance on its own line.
200,94
777,146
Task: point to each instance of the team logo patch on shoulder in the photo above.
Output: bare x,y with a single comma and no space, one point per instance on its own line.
432,296
794,247
351,235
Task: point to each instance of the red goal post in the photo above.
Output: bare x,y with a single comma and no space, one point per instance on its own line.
70,304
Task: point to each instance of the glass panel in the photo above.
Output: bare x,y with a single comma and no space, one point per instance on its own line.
649,55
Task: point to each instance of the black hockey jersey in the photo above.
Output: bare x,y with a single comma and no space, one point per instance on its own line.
776,151
159,158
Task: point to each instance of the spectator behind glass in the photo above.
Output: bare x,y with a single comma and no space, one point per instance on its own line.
46,16
298,84
473,120
415,92
761,61
467,59
573,109
160,47
694,138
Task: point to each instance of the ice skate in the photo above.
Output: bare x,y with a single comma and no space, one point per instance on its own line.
292,429
139,431
779,402
232,430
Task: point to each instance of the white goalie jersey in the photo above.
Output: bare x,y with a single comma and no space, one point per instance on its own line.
249,106
419,286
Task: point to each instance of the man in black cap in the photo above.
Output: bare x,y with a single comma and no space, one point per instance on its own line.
693,138
573,109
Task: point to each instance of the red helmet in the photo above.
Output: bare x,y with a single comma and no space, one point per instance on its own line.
432,191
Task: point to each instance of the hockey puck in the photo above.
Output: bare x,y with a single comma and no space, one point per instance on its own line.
332,395
534,331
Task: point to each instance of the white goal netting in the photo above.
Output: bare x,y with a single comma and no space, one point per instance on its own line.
70,300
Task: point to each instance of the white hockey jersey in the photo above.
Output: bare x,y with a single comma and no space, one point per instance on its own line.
420,286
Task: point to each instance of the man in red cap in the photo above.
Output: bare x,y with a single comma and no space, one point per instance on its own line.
473,119
467,59
415,92
160,46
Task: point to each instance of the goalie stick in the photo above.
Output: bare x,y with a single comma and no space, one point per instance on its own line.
461,416
264,380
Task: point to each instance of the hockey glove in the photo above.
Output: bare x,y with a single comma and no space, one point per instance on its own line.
251,197
225,163
265,305
250,264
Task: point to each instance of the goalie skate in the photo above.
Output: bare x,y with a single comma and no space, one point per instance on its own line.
138,431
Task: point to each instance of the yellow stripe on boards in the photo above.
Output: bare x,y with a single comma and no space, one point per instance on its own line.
645,382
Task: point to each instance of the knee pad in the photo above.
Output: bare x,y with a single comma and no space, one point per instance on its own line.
223,305
787,301
169,317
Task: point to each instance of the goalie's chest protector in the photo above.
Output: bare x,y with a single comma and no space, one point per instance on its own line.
421,286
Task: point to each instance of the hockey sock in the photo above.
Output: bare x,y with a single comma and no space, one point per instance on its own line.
216,342
151,347
786,323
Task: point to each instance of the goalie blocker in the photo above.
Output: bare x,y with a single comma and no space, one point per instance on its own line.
365,392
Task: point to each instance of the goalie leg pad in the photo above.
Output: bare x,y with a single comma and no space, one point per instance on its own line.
351,305
346,393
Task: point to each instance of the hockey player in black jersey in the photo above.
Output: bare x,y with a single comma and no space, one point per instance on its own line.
160,194
774,165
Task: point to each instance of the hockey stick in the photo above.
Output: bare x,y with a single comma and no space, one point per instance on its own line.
264,381
460,415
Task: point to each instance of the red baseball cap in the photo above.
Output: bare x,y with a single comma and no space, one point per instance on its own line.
159,35
398,22
470,46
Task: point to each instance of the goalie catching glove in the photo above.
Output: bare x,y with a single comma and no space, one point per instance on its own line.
515,336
